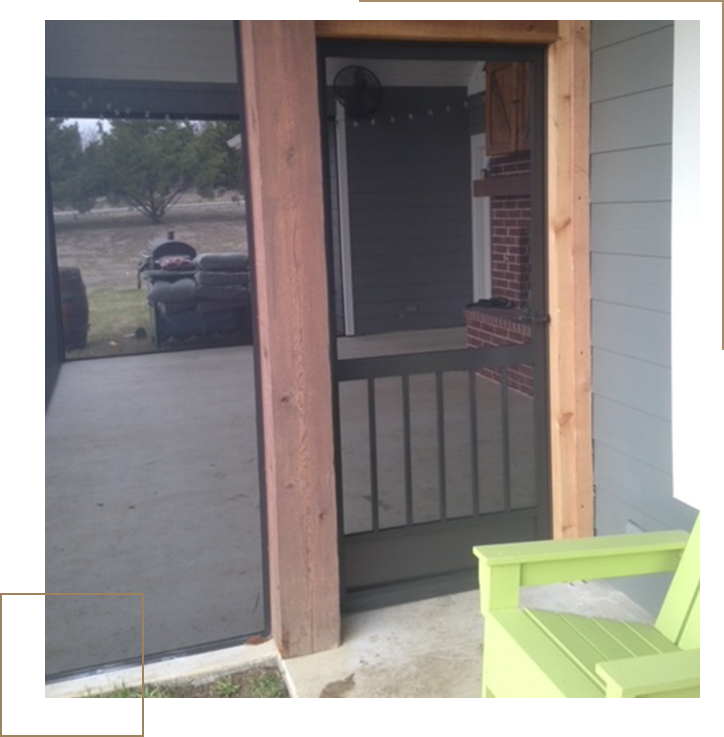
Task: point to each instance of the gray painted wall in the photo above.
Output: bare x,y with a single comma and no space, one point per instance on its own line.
53,355
410,219
136,68
185,51
631,123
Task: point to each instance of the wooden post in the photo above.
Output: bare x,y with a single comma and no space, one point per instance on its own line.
569,280
285,168
281,108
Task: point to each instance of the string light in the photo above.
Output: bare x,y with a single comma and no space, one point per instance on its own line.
410,115
113,111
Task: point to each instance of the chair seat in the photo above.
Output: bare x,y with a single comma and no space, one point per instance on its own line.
589,641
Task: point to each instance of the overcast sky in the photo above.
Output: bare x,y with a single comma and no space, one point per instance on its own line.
87,126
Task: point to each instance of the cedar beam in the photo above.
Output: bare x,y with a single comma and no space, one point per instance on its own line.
286,208
469,31
569,280
282,124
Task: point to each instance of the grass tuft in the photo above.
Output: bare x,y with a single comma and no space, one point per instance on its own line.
254,683
267,686
226,688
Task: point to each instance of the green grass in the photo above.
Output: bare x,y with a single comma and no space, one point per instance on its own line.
256,683
120,325
268,686
241,703
226,688
150,692
116,317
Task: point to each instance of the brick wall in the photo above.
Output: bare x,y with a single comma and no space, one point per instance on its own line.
510,254
510,233
486,327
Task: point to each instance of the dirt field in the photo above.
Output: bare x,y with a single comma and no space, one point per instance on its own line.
106,243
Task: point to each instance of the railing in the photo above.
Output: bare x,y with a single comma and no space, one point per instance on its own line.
436,364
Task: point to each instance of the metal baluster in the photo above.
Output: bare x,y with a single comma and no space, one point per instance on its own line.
474,470
408,448
441,444
506,435
374,488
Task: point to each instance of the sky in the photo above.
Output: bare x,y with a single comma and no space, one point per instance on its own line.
87,127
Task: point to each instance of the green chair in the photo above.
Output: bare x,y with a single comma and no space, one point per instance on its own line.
539,654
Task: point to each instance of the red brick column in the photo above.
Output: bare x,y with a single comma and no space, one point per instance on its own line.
510,233
487,327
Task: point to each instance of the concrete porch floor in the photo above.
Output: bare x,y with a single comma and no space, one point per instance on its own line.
152,486
431,648
425,649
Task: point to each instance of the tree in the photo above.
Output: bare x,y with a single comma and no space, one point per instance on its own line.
220,165
73,177
144,164
148,164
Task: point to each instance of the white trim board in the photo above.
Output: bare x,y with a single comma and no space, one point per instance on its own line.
345,237
694,454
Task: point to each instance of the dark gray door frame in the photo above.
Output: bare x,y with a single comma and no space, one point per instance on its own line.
364,555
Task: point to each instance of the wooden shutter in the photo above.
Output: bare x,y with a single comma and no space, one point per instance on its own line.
508,107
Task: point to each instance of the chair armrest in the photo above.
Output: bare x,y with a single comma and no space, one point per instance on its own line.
504,569
651,675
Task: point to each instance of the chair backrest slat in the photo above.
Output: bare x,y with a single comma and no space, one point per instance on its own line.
679,616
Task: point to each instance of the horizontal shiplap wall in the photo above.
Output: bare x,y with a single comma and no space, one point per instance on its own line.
410,220
631,123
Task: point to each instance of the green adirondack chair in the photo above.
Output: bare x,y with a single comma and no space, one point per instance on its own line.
540,654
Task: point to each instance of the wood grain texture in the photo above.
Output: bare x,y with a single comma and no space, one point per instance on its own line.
285,170
569,280
459,31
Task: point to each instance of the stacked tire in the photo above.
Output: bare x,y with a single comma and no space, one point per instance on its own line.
74,307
